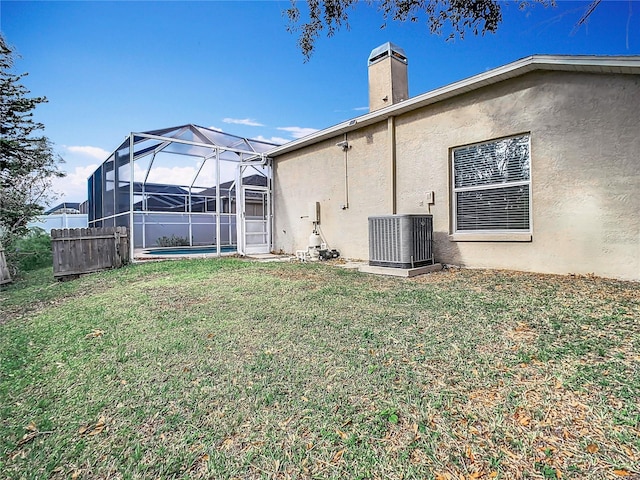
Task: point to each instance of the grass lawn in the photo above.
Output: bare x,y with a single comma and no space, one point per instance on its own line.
230,369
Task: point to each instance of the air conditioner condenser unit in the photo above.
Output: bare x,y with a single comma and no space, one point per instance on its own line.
401,241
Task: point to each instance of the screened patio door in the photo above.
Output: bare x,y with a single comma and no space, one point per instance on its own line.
255,220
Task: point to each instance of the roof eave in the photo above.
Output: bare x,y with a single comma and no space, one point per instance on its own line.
580,63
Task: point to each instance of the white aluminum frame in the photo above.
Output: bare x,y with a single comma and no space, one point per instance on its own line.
244,248
246,158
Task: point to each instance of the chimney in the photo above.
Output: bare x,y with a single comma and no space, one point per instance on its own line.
388,83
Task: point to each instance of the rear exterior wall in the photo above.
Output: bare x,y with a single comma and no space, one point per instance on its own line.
350,186
585,175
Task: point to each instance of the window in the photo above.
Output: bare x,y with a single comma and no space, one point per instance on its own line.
491,186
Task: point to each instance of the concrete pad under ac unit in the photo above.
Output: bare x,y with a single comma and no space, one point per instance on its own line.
400,272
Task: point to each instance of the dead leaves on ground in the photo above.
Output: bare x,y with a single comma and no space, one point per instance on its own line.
92,429
554,445
200,464
95,333
622,473
461,476
33,432
337,456
592,448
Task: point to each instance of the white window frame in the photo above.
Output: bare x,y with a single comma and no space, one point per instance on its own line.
510,235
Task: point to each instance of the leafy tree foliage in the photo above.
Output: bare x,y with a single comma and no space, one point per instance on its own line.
31,251
454,17
27,161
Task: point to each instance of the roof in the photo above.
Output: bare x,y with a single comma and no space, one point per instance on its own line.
568,63
64,207
164,196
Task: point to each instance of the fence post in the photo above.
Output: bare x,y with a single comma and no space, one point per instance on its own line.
5,277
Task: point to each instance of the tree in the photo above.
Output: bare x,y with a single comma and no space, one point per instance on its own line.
27,161
457,17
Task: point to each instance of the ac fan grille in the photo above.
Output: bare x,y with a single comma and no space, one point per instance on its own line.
402,241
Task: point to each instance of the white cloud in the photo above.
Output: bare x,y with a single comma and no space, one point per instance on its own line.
298,132
361,109
276,140
73,187
243,121
183,175
179,176
80,162
93,152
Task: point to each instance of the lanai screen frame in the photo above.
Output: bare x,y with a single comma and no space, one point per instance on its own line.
213,147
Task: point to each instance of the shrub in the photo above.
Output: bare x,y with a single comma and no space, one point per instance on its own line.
172,241
32,251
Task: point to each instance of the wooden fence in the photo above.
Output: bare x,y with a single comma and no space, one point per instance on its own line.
4,269
84,250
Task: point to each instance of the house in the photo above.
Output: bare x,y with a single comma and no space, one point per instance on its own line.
532,166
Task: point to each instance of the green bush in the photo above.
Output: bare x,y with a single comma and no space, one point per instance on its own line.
172,241
32,251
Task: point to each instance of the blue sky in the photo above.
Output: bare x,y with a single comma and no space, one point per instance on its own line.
111,68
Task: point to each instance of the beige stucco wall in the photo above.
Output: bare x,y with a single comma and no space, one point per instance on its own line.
585,168
323,173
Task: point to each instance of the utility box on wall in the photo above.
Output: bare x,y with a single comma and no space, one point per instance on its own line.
314,212
401,241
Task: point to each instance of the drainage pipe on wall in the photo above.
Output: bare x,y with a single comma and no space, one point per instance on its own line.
345,149
391,131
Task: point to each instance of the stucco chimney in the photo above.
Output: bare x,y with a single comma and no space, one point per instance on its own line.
388,83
